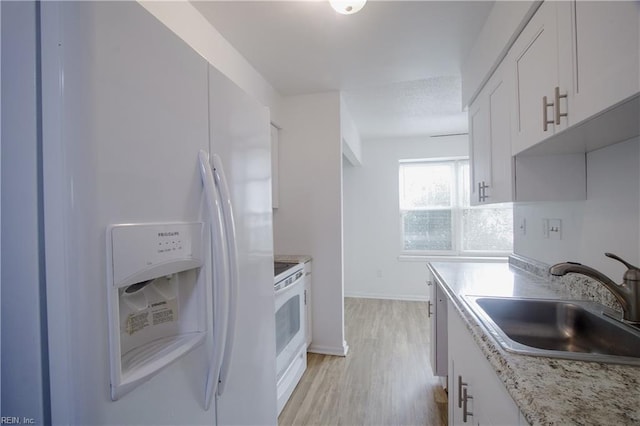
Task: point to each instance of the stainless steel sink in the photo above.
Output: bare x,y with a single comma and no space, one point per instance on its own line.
558,328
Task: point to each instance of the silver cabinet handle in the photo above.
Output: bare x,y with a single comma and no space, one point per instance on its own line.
465,400
558,96
482,191
429,313
460,385
545,119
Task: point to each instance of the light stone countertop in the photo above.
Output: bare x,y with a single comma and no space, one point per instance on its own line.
548,391
299,258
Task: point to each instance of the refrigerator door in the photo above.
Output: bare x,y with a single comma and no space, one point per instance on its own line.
239,135
125,112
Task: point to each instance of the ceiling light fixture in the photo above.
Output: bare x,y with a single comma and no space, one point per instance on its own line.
347,7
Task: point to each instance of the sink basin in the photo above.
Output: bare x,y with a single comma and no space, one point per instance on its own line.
557,328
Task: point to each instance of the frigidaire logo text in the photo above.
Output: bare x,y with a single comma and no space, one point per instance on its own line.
168,234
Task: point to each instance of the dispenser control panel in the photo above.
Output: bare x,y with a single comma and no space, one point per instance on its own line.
143,250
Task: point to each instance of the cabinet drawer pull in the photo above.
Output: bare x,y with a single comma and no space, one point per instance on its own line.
558,96
545,119
460,385
465,400
429,313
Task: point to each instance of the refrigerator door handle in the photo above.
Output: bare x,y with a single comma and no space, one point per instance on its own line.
220,287
232,258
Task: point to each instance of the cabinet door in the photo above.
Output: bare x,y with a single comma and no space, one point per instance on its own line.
431,313
438,317
490,141
479,149
535,67
499,100
462,367
490,404
606,57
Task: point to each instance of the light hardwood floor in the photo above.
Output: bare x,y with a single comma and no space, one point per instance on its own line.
385,379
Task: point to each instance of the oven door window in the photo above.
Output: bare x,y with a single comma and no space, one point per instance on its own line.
287,322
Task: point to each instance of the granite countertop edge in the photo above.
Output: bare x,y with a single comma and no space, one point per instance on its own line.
551,391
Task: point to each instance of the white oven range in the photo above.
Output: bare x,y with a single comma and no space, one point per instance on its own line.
291,359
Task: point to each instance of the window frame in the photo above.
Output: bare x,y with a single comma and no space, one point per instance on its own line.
458,206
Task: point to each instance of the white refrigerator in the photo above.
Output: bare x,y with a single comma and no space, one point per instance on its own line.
125,299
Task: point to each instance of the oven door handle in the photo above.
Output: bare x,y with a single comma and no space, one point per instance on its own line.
220,286
300,277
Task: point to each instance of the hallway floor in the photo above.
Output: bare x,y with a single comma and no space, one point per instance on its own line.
385,379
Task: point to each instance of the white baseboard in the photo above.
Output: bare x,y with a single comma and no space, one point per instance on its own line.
408,297
329,350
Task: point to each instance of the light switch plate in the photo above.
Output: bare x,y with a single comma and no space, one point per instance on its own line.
552,229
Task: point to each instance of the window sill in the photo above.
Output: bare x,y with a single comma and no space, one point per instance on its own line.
430,258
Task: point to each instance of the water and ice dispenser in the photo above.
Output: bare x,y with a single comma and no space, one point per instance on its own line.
157,310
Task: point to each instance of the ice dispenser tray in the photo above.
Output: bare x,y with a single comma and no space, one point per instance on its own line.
156,295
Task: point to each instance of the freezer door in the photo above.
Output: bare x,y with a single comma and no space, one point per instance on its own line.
125,112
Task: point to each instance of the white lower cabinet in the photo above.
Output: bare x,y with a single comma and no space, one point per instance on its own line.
437,313
476,395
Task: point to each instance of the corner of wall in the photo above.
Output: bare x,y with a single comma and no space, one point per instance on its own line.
351,143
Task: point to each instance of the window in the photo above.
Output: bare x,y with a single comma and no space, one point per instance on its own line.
436,217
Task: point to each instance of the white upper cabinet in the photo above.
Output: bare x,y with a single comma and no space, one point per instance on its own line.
479,149
605,54
535,64
490,142
573,61
500,94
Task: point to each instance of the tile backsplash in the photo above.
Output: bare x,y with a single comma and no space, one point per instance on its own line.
572,286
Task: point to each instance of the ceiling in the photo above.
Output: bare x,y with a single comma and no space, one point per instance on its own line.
397,62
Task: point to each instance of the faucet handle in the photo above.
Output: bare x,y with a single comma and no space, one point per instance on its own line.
619,259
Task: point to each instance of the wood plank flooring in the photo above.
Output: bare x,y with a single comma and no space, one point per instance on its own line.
385,379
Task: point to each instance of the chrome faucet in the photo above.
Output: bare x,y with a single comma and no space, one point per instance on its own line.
627,293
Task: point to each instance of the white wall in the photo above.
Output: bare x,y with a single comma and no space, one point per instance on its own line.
188,23
372,238
309,217
608,221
